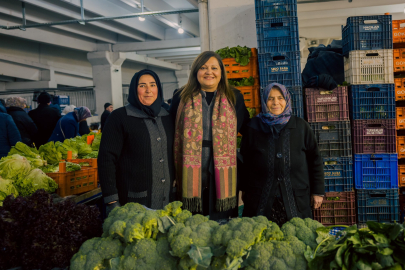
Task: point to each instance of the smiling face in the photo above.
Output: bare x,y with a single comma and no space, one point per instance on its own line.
209,75
147,90
276,102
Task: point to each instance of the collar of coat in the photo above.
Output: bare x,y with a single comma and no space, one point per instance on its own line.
135,112
292,123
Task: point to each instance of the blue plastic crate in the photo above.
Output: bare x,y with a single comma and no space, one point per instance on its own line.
283,68
367,33
338,173
266,9
278,35
376,171
372,101
377,205
61,100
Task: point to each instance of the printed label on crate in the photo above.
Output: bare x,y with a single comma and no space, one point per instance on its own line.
378,202
326,99
375,131
372,62
399,34
370,28
400,92
333,174
401,121
280,69
399,62
402,150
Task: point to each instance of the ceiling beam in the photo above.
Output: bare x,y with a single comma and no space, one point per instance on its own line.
40,17
193,2
107,8
43,36
156,45
163,55
171,51
174,58
151,61
74,15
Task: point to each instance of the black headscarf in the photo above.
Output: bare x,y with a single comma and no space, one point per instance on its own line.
154,109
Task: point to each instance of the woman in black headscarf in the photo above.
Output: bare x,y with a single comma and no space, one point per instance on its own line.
135,161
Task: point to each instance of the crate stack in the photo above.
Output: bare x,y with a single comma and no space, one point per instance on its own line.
327,112
62,101
367,47
278,47
398,33
235,71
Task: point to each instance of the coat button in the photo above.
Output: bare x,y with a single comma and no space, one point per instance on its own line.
279,155
158,139
163,180
161,160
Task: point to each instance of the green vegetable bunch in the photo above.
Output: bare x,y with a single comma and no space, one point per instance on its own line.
303,229
6,188
241,54
252,112
242,82
378,247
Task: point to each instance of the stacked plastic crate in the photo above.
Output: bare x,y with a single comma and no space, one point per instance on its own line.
327,112
367,47
398,33
278,47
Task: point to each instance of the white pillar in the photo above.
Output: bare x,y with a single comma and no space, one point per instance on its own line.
182,76
107,78
204,30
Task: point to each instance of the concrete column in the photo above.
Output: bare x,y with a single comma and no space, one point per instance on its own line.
182,75
204,26
107,78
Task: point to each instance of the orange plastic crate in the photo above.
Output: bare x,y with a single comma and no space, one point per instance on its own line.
251,95
399,60
235,71
401,146
399,88
400,111
398,31
401,175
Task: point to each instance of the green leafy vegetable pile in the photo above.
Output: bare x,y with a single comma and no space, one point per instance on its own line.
243,82
36,233
241,54
378,247
172,238
252,112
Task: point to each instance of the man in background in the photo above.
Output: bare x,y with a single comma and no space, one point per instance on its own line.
45,118
108,108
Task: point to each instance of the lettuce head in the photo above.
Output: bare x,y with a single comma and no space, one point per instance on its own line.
6,188
64,148
14,167
24,150
35,180
49,152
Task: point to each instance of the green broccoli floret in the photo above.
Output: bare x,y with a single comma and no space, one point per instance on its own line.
95,253
117,228
304,230
236,248
150,224
183,216
180,245
219,263
187,263
123,213
133,232
174,208
195,220
264,251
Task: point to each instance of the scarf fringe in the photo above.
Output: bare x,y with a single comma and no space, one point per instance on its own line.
226,204
193,205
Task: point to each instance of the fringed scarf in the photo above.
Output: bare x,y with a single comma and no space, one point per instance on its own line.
188,149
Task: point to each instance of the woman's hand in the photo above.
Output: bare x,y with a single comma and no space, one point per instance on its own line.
316,201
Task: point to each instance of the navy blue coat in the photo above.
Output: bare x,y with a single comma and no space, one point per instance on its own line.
70,128
9,134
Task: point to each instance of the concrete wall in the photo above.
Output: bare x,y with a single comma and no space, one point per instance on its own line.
232,23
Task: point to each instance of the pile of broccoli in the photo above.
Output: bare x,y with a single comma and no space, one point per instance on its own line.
172,238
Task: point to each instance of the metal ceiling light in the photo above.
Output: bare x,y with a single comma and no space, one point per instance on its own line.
180,30
141,18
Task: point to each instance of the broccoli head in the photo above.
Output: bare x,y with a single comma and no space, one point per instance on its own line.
183,216
174,208
304,230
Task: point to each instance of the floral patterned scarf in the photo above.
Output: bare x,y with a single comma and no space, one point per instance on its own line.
188,149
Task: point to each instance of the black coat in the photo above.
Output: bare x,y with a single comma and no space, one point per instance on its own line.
83,128
209,197
125,164
45,118
24,123
103,119
290,163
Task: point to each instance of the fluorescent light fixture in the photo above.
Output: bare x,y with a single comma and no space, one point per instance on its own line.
141,19
181,30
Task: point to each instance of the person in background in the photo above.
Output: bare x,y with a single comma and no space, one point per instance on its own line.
3,103
26,127
84,128
135,160
108,108
9,134
45,118
208,113
68,109
68,126
282,169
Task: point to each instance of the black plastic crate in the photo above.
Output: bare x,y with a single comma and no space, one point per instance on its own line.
334,138
367,33
377,205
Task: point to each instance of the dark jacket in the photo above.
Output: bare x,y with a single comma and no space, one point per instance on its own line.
135,161
27,128
9,134
45,118
83,128
2,108
209,197
104,117
292,163
66,128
